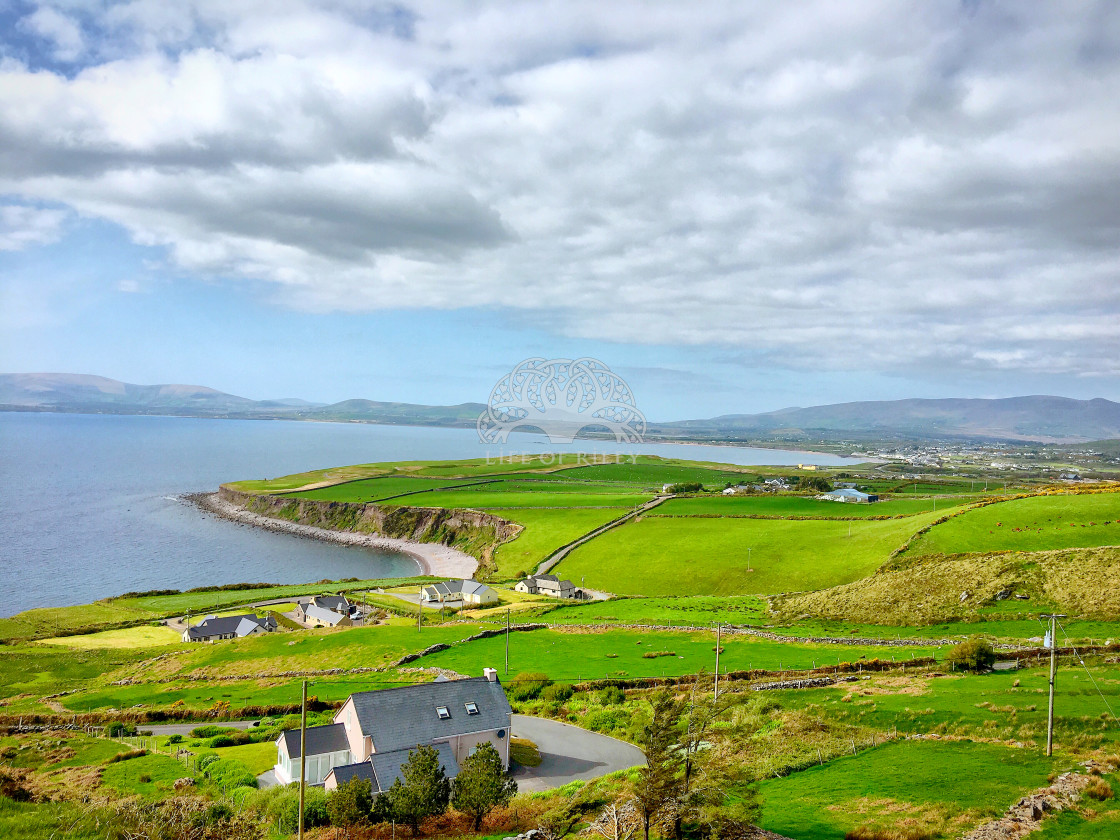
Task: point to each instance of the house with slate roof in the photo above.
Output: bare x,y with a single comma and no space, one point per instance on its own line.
371,735
551,586
212,628
468,591
325,611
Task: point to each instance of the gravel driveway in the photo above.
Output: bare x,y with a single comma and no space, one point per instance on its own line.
569,753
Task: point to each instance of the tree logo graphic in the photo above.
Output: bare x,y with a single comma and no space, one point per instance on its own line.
561,397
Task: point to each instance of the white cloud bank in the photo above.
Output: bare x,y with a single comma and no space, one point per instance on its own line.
849,185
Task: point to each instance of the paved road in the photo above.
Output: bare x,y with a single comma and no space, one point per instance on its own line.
569,753
185,728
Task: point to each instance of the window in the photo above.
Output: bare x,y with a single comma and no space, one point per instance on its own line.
472,708
443,712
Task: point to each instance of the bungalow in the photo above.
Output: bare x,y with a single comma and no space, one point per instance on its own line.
551,586
848,494
212,628
325,611
371,735
468,591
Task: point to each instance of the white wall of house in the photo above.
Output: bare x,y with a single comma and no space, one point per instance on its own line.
287,769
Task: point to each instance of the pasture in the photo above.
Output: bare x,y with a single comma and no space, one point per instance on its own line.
944,787
545,531
568,656
801,506
1036,523
132,637
699,556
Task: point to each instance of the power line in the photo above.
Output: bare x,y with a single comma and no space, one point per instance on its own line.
1087,671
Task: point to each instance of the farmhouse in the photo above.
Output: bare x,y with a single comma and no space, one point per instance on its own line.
552,586
212,628
325,611
371,735
467,591
848,494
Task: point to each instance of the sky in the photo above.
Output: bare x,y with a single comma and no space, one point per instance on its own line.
736,206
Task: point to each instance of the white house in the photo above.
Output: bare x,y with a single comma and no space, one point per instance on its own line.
325,611
468,591
372,734
551,586
212,628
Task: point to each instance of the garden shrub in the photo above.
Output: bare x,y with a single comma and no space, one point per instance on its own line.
527,686
975,654
557,693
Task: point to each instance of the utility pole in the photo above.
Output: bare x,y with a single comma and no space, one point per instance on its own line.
419,609
715,687
749,559
302,755
507,641
1053,638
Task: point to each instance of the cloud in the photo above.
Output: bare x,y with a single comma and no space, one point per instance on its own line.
22,226
825,186
61,31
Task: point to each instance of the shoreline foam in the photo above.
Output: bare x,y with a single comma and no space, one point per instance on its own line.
432,558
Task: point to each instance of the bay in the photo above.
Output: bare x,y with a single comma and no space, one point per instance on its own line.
90,505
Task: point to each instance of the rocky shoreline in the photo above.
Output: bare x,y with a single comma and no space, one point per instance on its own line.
432,558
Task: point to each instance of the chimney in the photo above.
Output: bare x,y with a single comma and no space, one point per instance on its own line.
490,674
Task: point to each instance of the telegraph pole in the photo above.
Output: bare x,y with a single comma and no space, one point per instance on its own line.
419,609
507,641
302,755
1053,638
715,687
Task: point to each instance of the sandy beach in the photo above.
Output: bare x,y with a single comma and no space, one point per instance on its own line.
432,558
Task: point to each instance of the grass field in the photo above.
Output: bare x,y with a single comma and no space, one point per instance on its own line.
766,505
487,497
545,531
128,777
132,637
1038,523
946,786
570,656
685,556
375,489
988,706
695,610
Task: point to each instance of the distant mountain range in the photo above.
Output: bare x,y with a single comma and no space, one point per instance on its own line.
1036,418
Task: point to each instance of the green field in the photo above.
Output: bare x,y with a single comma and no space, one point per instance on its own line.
545,531
132,637
989,705
375,489
686,556
766,505
696,610
488,498
571,656
950,786
1038,523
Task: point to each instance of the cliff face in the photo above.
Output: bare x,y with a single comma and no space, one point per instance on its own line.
470,531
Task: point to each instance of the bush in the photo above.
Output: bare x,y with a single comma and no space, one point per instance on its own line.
221,741
815,484
116,729
976,654
1099,790
205,761
210,731
351,803
229,773
126,756
175,739
557,693
686,487
144,778
612,695
527,686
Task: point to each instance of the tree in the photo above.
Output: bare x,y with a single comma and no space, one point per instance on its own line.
972,655
657,781
423,792
482,785
351,803
814,483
